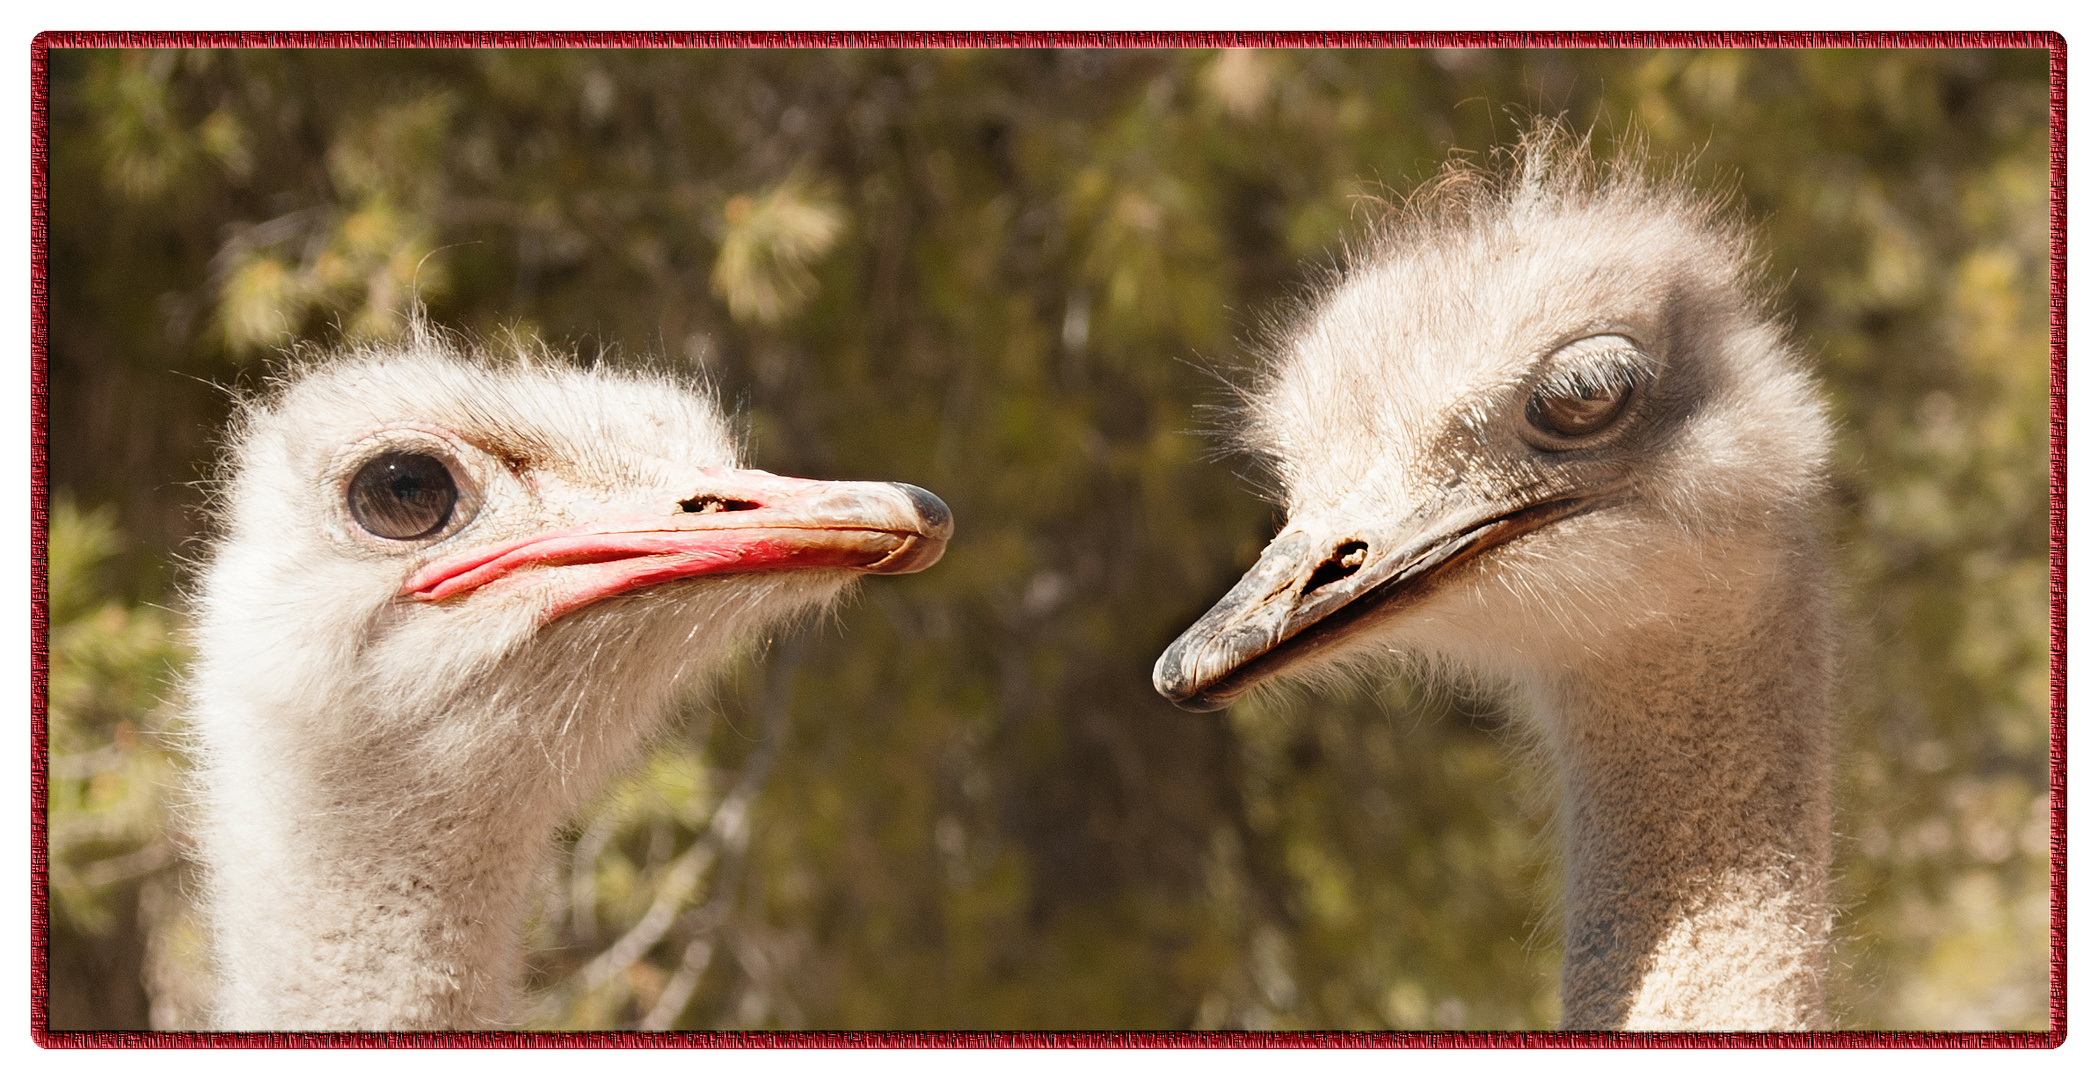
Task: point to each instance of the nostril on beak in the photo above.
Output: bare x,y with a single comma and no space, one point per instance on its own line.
1347,558
713,504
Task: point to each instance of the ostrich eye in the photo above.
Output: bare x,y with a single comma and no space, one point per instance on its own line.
403,496
1584,410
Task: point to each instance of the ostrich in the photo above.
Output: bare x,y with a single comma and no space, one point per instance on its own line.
1545,429
448,597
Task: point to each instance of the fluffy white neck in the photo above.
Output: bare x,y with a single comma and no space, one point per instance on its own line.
373,806
340,903
372,848
1696,765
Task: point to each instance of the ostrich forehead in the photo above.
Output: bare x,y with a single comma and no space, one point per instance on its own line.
1441,320
595,427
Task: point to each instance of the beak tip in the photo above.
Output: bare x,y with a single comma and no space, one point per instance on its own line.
1173,681
939,521
932,527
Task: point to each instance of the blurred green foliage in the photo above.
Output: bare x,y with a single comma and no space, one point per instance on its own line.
124,947
1014,277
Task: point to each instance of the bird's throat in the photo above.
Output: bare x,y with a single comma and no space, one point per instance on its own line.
1697,821
337,921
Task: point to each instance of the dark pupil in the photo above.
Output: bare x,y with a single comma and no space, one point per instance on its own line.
403,496
1583,415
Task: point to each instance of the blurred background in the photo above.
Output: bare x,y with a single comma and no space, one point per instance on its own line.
1012,277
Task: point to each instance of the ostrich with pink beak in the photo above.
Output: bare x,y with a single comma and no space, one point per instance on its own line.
450,596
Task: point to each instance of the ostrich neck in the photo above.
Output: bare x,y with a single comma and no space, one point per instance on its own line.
377,886
1696,764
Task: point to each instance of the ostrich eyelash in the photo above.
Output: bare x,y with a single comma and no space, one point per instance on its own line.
1615,368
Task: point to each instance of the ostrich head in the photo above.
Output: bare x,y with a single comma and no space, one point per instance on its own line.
448,597
438,574
1537,416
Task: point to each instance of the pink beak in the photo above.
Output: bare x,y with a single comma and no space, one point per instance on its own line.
726,522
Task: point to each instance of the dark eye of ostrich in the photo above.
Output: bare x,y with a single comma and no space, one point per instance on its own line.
1593,388
1587,409
403,496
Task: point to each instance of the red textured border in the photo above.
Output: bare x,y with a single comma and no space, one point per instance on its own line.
39,656
2058,533
39,522
1047,39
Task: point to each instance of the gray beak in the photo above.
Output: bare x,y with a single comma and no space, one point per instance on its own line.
1319,584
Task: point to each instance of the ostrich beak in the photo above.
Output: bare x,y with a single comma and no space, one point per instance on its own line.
723,522
1319,584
